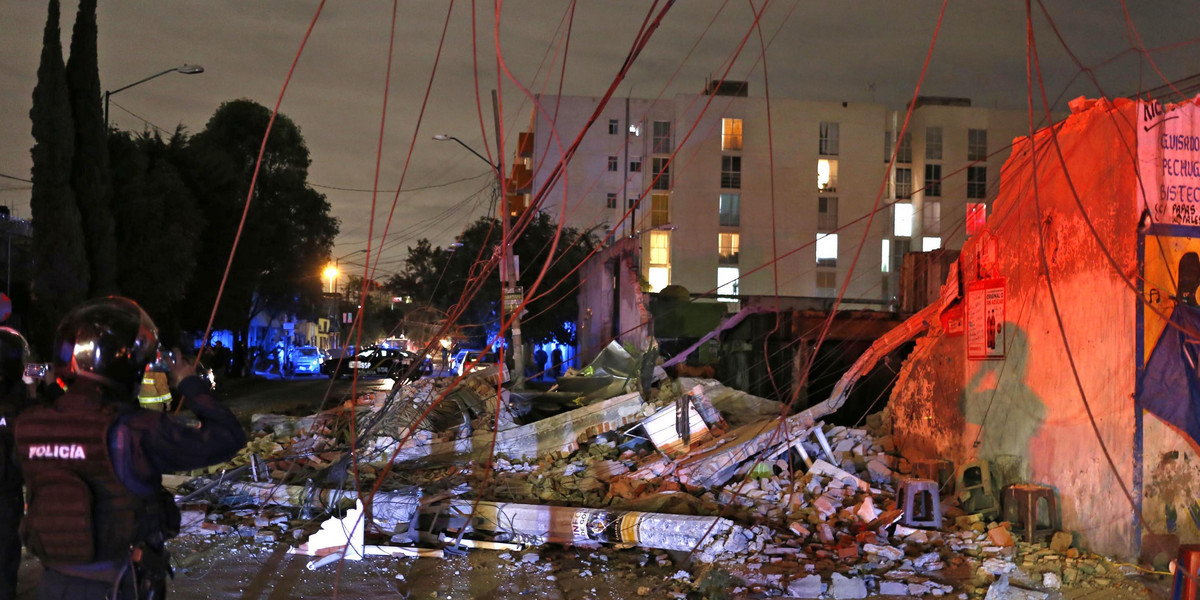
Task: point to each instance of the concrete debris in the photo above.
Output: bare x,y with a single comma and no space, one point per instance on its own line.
1003,590
785,504
843,587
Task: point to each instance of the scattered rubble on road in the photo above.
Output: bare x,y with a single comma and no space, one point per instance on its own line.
692,472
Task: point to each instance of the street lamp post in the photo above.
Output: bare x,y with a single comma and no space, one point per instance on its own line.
184,69
507,261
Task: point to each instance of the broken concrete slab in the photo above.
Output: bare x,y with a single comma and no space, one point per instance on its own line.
805,587
708,536
1003,590
847,588
388,509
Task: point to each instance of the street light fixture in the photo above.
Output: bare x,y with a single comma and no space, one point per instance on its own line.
184,69
332,271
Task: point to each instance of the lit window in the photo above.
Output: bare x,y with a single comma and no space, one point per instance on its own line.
659,278
727,284
612,200
933,143
827,214
827,175
635,129
727,248
976,217
976,144
885,261
660,247
929,244
660,213
826,283
731,134
635,165
731,172
902,221
612,163
931,222
904,152
662,173
977,182
828,145
729,210
827,249
614,127
933,180
662,137
903,183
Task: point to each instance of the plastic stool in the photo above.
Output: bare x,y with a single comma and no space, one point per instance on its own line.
1187,570
919,500
936,469
973,482
1032,510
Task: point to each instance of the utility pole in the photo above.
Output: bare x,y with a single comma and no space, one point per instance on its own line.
506,265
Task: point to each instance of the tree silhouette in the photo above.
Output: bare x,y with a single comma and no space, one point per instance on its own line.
89,169
61,277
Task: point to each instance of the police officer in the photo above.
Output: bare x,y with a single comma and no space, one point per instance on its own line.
93,462
14,397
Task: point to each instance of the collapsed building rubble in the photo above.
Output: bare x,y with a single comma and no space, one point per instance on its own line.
787,505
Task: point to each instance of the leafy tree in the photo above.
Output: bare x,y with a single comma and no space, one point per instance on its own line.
89,171
288,233
61,266
157,224
440,277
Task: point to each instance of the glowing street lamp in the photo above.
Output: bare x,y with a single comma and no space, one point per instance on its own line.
331,273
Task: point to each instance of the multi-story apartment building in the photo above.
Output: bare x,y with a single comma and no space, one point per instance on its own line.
733,196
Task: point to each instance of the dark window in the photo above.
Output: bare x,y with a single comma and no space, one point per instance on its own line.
904,153
635,165
729,210
977,182
614,127
662,173
933,143
731,172
612,200
977,144
903,183
662,137
612,163
933,180
828,145
827,214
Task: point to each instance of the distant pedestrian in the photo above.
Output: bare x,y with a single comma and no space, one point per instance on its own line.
539,359
556,359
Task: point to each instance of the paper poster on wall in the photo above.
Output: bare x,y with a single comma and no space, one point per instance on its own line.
985,319
1169,162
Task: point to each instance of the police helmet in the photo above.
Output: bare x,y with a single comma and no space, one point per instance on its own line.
14,353
109,340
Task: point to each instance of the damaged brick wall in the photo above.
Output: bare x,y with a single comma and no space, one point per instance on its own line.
1024,412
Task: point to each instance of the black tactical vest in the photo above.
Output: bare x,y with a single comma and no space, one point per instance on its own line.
79,511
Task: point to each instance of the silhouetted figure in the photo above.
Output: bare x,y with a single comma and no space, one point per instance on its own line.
556,359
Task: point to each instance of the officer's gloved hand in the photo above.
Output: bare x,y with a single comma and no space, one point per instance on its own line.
180,368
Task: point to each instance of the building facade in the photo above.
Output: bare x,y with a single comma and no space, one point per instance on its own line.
732,196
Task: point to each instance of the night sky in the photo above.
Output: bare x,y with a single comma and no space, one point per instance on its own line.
843,51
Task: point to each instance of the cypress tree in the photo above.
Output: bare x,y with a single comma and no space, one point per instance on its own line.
90,176
61,277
